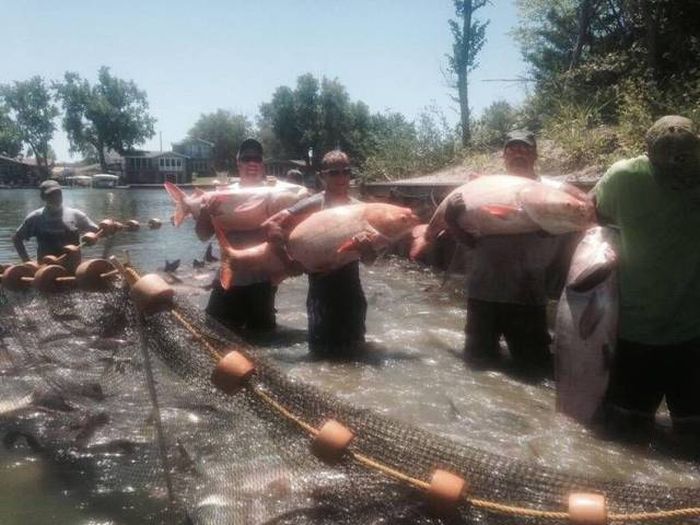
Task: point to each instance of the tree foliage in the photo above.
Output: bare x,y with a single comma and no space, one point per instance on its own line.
226,131
112,114
316,115
320,115
10,138
469,37
586,52
31,115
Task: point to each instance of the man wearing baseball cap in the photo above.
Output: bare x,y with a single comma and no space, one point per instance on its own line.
654,201
511,280
250,302
53,225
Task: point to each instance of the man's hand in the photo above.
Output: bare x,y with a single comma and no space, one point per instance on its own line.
365,245
274,226
455,207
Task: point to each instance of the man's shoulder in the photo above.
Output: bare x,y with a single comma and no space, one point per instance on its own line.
35,214
637,166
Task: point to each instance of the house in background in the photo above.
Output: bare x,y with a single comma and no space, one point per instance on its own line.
200,156
14,172
155,167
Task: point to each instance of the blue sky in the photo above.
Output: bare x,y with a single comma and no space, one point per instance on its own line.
195,57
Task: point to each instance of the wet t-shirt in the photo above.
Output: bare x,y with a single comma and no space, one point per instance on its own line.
522,269
54,229
659,250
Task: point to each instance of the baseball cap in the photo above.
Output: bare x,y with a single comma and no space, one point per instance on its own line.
672,129
250,145
521,135
49,186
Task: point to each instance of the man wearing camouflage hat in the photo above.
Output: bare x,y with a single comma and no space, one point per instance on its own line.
654,201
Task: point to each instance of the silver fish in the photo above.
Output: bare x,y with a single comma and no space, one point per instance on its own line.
586,326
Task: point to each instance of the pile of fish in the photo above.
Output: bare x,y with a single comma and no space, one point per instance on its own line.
507,204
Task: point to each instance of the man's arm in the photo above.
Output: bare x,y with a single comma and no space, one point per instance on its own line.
19,246
23,233
85,224
455,206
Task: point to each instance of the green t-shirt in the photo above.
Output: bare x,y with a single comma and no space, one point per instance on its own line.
659,253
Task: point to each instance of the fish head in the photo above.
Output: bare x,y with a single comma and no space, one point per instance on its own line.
391,221
556,210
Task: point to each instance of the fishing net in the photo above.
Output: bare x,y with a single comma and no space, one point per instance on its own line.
125,405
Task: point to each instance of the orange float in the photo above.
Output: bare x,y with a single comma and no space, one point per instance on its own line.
331,441
232,372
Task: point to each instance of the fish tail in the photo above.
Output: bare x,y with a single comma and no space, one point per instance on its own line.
178,198
226,270
419,244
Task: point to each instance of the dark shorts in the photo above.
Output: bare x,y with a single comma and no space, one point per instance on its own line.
251,307
337,309
642,375
524,328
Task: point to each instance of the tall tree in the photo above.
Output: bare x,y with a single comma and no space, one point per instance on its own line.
469,37
226,131
32,114
10,139
112,114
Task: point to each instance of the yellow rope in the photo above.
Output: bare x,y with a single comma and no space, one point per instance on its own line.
195,333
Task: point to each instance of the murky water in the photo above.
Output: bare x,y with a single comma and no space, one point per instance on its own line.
413,370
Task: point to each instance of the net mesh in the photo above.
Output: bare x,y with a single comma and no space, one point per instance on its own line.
125,405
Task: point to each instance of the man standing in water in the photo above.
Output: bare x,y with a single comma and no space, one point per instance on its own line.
654,200
510,281
335,303
54,225
250,302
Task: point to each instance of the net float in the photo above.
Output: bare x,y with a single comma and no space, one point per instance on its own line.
154,223
132,225
331,441
17,276
232,372
94,274
150,293
446,489
587,509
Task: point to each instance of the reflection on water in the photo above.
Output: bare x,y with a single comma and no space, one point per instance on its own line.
413,369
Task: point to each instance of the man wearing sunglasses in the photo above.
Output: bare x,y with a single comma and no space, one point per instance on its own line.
335,303
250,302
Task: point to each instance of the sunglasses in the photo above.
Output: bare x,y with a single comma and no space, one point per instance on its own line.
333,173
251,158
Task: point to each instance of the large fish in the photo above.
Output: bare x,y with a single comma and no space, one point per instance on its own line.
586,326
322,242
507,204
236,208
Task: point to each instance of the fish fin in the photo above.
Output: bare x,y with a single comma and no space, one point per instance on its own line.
500,210
591,277
591,317
419,247
350,245
199,192
226,271
178,197
419,231
252,203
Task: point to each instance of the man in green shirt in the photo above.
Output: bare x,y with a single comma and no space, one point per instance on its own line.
654,201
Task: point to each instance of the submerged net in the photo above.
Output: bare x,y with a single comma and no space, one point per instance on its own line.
124,404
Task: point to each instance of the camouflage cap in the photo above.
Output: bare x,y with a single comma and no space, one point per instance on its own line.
672,128
673,147
521,135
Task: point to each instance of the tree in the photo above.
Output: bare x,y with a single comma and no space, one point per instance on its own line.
10,138
469,37
226,131
495,123
32,115
318,116
112,114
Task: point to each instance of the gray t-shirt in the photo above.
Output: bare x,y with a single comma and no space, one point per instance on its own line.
524,269
54,230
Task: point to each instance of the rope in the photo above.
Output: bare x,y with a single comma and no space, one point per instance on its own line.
492,506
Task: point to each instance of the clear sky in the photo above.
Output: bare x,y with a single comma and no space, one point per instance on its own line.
194,57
